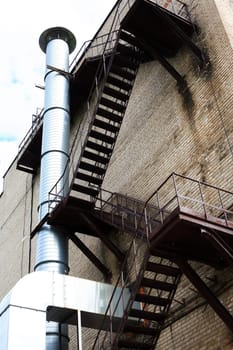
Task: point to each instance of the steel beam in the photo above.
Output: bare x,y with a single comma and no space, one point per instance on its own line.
85,250
206,293
155,55
219,243
114,249
182,35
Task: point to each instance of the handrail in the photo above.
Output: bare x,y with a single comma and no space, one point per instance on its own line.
136,237
89,46
90,50
112,38
79,55
175,196
197,196
142,236
187,178
35,126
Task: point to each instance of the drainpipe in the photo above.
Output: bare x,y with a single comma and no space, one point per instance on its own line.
52,241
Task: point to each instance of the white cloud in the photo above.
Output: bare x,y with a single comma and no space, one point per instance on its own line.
22,61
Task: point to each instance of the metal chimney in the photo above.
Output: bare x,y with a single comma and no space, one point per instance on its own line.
52,242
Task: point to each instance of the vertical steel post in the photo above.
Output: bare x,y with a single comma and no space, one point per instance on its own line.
52,242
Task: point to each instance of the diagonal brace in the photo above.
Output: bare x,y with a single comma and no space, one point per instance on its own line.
154,54
183,36
207,294
85,250
114,249
220,244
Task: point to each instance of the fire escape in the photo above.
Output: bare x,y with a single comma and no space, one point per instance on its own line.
183,219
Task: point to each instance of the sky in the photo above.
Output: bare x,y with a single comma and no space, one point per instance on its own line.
22,63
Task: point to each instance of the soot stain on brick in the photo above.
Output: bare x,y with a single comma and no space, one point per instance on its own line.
202,68
203,169
187,100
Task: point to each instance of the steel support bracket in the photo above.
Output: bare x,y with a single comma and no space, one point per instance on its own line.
85,250
219,244
111,246
181,82
206,293
60,71
203,58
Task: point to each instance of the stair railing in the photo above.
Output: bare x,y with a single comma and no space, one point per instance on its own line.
57,192
135,261
102,44
98,44
186,194
80,139
177,7
98,87
36,124
175,192
128,210
88,49
134,267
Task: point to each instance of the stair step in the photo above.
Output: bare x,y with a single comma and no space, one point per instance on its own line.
147,282
119,83
132,344
92,168
129,39
106,126
98,147
115,93
109,115
125,62
95,157
122,72
100,136
163,269
141,330
87,190
128,51
148,315
151,299
113,105
94,180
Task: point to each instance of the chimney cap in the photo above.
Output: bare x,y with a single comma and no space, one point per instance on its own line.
57,33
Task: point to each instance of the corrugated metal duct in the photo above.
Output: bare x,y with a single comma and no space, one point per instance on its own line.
52,243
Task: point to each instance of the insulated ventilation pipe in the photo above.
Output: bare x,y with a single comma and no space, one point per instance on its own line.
52,242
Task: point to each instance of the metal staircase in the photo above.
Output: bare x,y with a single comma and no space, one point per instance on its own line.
151,269
116,79
155,290
154,287
152,278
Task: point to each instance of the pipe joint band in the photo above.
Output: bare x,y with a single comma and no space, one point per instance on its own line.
57,151
57,334
51,261
56,107
50,201
66,75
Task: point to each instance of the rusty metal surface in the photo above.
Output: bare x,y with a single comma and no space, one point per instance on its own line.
171,220
181,235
